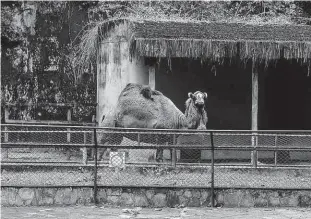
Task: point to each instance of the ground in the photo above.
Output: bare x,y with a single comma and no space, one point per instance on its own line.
88,212
164,176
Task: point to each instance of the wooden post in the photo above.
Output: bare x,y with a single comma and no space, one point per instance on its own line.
173,152
5,151
152,86
212,170
67,149
6,118
275,152
84,152
254,112
68,129
95,167
98,70
152,77
92,138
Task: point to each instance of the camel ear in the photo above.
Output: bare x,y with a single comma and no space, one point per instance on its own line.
190,95
205,95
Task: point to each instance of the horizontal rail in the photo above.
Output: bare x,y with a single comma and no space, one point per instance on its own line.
24,161
145,132
45,164
158,186
39,145
49,104
153,164
54,122
154,146
50,131
172,131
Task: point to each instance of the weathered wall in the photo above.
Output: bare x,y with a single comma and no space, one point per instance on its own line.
154,197
115,69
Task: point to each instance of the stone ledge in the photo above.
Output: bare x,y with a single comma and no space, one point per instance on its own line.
155,197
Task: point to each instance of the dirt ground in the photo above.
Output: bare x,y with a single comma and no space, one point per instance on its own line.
88,212
179,176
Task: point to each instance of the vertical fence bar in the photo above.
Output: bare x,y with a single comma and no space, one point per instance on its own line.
275,152
5,151
254,156
95,167
173,154
128,151
212,171
68,134
254,114
92,138
68,129
84,151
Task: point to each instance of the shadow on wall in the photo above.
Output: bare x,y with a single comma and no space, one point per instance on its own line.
228,88
285,97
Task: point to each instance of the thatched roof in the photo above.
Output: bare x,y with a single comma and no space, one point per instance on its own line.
213,41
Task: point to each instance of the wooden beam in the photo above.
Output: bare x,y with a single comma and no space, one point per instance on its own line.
152,77
254,111
98,71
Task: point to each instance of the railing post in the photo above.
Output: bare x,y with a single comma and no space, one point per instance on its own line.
212,171
92,138
68,129
5,151
68,134
174,152
84,151
254,114
95,167
254,152
275,152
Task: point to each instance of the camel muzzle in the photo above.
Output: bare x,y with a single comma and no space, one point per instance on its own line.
199,103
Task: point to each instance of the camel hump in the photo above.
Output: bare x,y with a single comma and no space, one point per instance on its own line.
147,92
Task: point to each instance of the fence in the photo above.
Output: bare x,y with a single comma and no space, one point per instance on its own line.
34,155
68,122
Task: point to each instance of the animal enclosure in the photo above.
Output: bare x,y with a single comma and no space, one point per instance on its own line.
256,76
32,158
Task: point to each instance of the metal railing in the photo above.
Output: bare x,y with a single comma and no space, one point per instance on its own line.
41,155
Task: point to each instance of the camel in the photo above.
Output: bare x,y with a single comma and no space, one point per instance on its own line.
139,106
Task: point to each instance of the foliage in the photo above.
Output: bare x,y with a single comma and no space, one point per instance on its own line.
52,79
221,11
254,12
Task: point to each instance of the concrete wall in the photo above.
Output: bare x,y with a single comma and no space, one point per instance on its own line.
115,69
155,197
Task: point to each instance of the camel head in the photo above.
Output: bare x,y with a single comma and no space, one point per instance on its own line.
195,110
199,98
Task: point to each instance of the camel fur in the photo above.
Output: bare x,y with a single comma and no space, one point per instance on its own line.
139,106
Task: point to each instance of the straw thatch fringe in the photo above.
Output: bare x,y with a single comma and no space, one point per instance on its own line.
215,50
92,37
147,42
